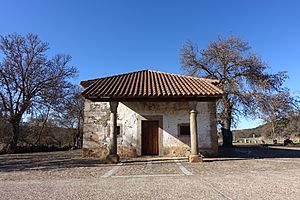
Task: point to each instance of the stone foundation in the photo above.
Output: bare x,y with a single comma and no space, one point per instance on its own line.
99,152
176,151
127,152
195,158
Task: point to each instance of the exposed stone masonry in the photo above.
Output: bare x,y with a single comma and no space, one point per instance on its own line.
97,128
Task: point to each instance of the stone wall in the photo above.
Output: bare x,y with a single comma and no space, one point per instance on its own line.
130,115
96,129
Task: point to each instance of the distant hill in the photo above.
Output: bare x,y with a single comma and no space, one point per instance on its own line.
287,127
247,133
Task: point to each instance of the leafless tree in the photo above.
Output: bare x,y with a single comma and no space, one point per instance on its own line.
38,123
276,108
29,78
241,74
292,129
70,114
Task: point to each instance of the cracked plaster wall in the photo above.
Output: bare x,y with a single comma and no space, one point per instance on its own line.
96,127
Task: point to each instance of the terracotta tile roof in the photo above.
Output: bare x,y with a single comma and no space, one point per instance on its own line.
149,84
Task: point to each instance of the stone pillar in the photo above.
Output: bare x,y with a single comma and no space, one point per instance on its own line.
194,156
193,130
113,156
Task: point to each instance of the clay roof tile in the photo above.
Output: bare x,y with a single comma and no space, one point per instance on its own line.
150,83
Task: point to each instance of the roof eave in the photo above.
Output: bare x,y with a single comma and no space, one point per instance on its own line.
155,99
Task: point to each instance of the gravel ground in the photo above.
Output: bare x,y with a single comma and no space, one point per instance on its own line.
149,169
242,173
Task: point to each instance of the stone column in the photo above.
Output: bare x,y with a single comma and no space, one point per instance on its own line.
113,156
194,156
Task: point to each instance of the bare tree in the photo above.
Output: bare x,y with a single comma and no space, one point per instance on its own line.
70,114
276,108
241,74
37,123
293,126
28,78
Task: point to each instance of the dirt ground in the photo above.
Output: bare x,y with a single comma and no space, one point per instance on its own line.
244,172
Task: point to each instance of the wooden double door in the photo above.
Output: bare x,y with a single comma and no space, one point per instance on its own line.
150,141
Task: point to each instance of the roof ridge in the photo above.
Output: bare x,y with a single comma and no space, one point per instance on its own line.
151,70
190,76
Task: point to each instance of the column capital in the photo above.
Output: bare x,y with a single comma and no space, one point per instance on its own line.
193,111
113,106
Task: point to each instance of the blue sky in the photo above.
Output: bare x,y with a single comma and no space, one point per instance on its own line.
112,37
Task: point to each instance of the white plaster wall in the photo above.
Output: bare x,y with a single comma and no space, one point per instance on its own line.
127,120
173,113
171,119
203,125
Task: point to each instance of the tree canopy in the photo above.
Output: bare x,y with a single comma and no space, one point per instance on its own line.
242,76
29,79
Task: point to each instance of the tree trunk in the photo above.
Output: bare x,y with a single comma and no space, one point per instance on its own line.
273,129
41,130
226,126
79,132
227,134
15,137
75,138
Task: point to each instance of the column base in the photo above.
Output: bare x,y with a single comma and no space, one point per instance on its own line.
112,159
195,158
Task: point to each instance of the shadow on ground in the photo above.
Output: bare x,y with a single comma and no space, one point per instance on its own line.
71,159
259,152
46,161
59,160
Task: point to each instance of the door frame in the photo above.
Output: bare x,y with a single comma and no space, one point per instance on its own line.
155,125
158,118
